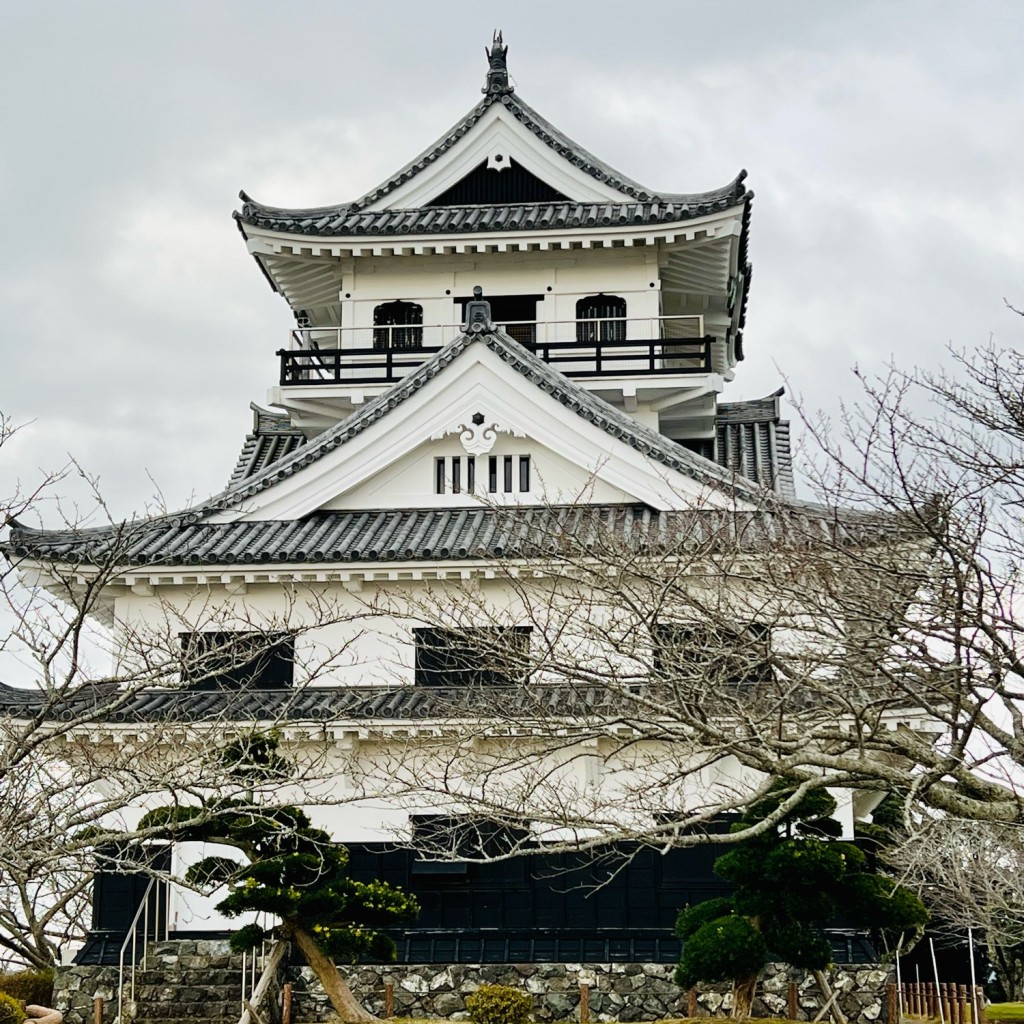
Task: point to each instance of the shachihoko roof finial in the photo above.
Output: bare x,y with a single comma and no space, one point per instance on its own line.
497,72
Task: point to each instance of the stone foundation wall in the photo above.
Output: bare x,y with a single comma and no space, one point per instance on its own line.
628,992
75,988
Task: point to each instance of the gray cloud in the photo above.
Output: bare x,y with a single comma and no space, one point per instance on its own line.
882,141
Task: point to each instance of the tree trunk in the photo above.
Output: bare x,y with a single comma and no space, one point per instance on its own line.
743,995
346,1006
1008,970
831,997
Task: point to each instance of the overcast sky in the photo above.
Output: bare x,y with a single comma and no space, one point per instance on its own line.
884,141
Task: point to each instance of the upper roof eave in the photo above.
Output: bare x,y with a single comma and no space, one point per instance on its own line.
346,222
310,220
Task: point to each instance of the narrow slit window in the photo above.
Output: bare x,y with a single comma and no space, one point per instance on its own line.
524,473
508,474
439,476
492,474
456,475
471,473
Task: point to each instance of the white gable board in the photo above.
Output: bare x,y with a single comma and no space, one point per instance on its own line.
477,382
498,133
409,481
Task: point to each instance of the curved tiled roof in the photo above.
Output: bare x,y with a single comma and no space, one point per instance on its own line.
347,220
753,440
313,703
618,425
272,438
439,535
639,205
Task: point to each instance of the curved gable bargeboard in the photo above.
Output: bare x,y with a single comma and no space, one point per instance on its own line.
479,380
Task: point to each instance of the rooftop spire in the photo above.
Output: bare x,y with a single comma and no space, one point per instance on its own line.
497,71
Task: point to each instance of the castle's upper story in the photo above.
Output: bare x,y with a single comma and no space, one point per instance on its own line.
638,295
612,321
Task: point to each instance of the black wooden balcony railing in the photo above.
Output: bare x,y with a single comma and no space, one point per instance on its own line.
654,346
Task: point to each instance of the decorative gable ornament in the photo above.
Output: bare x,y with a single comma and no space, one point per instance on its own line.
479,436
497,68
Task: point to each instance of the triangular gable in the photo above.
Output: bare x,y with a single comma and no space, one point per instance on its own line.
499,132
491,375
500,185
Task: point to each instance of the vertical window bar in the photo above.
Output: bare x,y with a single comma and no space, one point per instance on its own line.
471,473
439,476
456,474
492,474
524,473
508,474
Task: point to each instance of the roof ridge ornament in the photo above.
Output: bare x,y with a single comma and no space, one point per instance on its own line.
478,314
497,83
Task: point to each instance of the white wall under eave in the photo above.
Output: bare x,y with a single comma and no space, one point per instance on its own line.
561,278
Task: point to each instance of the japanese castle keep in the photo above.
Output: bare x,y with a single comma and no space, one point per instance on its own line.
505,343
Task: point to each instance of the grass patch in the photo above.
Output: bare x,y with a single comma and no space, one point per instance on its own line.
1005,1011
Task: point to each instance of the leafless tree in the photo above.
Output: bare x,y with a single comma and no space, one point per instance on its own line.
971,875
617,674
80,759
680,662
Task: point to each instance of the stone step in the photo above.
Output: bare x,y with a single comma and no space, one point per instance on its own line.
187,1009
192,994
188,979
192,947
201,1019
158,961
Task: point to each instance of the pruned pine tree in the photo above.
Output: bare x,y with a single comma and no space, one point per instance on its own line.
78,756
293,871
788,885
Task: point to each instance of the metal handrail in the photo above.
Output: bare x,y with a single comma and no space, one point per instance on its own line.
257,991
308,338
132,938
597,347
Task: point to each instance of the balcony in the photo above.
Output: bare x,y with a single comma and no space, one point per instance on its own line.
655,347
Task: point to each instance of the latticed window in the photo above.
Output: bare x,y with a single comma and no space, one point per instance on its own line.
398,324
237,661
486,656
721,655
601,318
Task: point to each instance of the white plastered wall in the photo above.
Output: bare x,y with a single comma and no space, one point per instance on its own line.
436,282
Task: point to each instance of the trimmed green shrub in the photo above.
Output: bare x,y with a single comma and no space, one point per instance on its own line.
499,1004
29,986
720,950
11,1011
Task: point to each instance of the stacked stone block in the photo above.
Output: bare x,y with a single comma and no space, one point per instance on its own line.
627,992
200,981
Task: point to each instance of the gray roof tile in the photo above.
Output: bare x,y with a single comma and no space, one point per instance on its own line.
346,221
313,703
440,535
272,438
639,205
754,441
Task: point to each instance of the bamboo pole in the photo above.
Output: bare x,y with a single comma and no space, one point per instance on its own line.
286,1003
